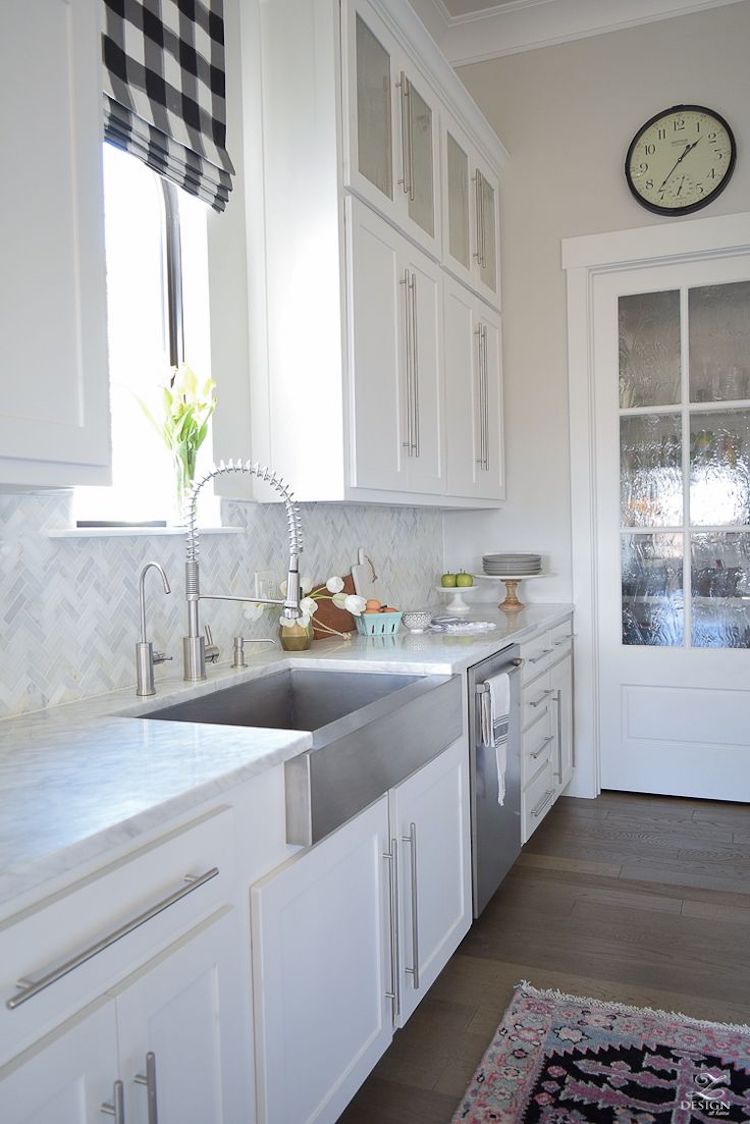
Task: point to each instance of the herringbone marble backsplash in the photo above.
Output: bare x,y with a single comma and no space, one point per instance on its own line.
69,607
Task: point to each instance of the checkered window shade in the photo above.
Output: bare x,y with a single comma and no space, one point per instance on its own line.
164,95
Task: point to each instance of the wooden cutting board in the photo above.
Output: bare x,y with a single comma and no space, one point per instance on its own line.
328,614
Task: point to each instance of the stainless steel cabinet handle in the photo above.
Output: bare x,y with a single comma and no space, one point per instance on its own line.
411,838
149,1080
406,144
485,375
538,701
480,404
543,746
536,659
31,987
415,363
394,994
116,1107
563,640
408,444
537,810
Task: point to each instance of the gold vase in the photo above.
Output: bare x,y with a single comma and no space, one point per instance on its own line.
297,638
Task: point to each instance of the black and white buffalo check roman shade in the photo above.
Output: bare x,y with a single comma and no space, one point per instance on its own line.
164,90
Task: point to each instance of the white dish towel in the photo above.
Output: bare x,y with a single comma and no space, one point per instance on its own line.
495,712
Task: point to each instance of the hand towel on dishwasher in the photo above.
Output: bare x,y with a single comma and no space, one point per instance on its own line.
495,711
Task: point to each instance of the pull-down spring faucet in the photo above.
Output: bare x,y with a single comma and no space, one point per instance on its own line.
193,645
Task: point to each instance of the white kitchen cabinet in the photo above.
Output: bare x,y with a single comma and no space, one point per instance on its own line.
475,462
471,221
322,971
67,1077
181,1029
54,411
391,126
430,817
395,358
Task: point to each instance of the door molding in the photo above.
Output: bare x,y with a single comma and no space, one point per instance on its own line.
584,259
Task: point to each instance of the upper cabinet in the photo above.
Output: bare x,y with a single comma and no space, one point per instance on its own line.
391,127
54,408
368,211
471,243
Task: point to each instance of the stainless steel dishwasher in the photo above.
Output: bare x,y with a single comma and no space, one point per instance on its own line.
495,828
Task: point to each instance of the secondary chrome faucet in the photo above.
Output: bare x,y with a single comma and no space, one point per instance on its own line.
194,645
145,656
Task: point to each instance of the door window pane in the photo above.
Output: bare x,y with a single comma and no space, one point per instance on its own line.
652,593
719,330
720,468
422,206
721,590
649,330
488,264
374,109
651,470
458,202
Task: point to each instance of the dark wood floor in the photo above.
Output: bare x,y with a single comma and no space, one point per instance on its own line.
644,900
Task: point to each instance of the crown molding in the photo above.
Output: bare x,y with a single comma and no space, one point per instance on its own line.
525,25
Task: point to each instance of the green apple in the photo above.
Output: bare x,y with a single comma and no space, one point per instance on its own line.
464,580
448,581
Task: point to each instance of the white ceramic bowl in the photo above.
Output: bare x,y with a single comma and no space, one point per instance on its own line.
417,620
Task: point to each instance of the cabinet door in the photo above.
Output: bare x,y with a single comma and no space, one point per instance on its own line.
419,151
321,968
189,1007
486,229
370,67
561,682
430,814
424,370
54,413
458,210
462,391
67,1077
377,302
491,474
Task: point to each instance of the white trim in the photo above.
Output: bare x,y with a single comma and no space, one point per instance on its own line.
135,532
585,258
525,25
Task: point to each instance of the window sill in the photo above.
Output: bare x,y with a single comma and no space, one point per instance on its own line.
135,532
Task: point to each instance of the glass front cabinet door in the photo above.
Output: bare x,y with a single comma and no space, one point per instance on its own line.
391,127
470,216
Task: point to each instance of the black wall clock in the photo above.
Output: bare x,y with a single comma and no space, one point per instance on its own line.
680,160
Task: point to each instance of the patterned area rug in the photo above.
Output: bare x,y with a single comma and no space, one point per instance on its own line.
556,1059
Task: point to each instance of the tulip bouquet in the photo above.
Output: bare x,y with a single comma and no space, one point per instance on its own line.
333,590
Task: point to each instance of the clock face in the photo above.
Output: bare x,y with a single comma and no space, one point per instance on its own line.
680,160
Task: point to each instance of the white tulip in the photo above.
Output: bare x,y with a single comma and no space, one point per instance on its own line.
355,604
283,587
308,606
339,600
335,585
305,583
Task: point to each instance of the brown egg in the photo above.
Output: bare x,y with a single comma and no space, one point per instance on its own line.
373,605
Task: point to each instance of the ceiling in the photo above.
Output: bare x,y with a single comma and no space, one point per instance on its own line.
466,7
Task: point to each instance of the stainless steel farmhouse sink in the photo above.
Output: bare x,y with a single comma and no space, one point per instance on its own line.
369,732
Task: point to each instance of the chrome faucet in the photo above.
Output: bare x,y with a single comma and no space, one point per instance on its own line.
194,645
145,656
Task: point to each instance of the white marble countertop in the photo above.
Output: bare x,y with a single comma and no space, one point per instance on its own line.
79,780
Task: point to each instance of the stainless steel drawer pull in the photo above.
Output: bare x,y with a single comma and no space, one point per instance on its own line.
394,994
414,972
117,1106
543,746
31,987
149,1080
563,640
537,810
536,659
538,701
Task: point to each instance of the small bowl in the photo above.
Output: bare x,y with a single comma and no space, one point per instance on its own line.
417,620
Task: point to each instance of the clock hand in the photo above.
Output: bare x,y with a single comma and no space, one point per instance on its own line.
688,148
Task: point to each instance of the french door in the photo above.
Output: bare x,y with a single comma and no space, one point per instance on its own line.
672,447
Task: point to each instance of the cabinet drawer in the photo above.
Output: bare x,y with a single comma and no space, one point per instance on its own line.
535,700
81,940
561,639
537,800
536,655
537,747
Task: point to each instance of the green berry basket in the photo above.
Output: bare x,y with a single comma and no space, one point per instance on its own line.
378,624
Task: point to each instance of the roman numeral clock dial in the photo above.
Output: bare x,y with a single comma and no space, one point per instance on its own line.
680,160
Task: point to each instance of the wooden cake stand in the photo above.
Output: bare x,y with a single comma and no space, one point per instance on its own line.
512,602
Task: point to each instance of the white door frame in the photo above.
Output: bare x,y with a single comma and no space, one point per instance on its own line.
583,259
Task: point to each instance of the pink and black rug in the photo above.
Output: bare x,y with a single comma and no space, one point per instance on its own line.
556,1059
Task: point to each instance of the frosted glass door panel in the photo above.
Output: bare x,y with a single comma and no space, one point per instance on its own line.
720,469
652,593
422,198
720,565
488,260
719,319
649,330
651,470
374,137
458,203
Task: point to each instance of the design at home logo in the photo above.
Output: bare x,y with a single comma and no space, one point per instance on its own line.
710,1096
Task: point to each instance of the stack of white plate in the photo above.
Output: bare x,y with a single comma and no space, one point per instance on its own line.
513,565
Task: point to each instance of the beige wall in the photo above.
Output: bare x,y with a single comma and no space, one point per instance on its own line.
567,115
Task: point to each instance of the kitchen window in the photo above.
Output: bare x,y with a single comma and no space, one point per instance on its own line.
157,308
